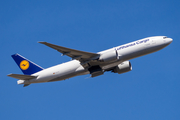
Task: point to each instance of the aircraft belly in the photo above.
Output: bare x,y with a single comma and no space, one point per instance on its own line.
61,70
70,75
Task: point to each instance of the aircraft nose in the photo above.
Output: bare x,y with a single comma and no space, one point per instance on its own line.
169,40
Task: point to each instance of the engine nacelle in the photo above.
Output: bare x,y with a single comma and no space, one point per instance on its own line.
109,56
123,67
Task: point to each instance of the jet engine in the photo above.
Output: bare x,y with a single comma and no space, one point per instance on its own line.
123,67
109,56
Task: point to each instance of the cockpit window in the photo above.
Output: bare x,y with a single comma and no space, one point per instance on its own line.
164,37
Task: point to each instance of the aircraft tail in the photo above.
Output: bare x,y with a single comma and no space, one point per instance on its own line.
26,66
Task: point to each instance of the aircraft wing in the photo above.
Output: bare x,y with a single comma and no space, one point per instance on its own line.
74,54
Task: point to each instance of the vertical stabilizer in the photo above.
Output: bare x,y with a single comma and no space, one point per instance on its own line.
26,66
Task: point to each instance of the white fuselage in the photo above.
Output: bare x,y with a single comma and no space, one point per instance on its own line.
125,52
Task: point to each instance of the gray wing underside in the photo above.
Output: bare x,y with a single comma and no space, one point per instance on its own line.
82,56
22,77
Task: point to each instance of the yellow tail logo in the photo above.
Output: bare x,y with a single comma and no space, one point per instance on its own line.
24,65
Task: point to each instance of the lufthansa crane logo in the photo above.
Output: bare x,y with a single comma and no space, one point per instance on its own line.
24,65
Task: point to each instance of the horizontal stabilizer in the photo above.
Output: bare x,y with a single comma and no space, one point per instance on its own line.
22,77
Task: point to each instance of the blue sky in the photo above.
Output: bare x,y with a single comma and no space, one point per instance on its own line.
149,92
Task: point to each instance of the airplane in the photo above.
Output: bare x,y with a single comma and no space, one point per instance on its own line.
115,59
